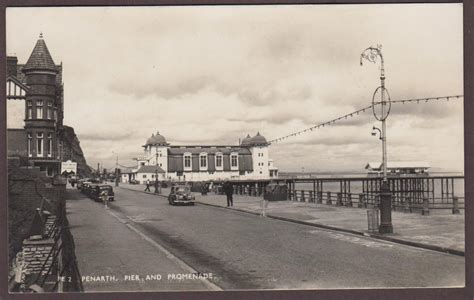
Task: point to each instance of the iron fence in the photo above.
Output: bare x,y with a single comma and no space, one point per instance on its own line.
59,271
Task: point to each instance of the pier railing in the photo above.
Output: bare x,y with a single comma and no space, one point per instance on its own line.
408,192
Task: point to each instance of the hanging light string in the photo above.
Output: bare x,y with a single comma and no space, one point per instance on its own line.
357,112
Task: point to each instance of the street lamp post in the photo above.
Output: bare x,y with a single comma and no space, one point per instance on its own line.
116,169
371,55
156,173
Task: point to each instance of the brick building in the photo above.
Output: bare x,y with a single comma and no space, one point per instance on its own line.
35,110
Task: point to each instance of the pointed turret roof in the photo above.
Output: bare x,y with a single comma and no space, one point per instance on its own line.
40,59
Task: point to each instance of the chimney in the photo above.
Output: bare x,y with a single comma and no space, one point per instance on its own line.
12,62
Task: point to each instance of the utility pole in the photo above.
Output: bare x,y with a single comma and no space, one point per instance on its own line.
116,172
156,171
116,168
371,55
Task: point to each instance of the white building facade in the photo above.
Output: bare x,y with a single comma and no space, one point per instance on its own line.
249,160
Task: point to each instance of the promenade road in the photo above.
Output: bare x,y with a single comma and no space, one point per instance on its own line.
245,251
112,256
441,229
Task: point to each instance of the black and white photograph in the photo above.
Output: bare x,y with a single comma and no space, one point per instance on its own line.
235,147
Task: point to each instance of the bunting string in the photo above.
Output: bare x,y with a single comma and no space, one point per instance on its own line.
362,110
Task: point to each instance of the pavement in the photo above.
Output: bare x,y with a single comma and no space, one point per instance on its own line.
439,231
113,255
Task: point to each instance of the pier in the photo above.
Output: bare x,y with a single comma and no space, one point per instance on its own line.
409,192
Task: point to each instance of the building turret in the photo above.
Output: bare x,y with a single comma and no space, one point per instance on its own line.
156,151
258,140
246,141
42,106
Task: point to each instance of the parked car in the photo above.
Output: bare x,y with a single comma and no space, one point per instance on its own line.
97,190
181,194
80,182
134,181
89,189
84,186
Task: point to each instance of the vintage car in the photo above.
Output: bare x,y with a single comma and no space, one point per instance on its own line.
133,181
181,194
89,188
84,186
98,190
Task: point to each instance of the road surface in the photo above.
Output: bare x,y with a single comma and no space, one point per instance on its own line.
245,251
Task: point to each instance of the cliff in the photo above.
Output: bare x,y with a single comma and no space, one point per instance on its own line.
72,151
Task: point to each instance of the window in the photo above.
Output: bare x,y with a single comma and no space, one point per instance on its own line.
152,176
179,173
187,161
30,142
55,114
39,144
50,144
203,161
29,110
219,161
142,163
144,176
49,112
39,109
234,161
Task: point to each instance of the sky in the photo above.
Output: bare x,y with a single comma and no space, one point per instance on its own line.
213,74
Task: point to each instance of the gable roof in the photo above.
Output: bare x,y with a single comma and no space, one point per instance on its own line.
15,88
150,169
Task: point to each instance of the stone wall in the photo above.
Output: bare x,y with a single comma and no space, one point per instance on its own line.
25,190
35,254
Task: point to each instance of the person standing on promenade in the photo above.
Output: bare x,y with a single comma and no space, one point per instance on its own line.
147,189
228,190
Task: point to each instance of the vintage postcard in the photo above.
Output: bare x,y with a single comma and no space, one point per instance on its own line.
237,147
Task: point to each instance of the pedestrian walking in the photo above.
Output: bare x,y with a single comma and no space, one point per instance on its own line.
228,190
105,198
147,189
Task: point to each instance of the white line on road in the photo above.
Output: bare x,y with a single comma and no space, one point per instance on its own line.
168,254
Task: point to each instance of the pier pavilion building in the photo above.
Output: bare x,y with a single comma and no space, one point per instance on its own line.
247,160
